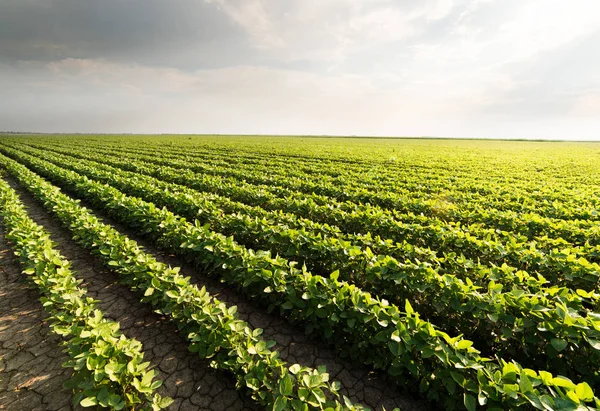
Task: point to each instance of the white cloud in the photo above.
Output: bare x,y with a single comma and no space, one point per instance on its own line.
543,25
253,17
504,32
377,67
587,104
320,30
240,99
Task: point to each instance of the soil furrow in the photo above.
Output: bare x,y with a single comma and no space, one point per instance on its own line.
359,383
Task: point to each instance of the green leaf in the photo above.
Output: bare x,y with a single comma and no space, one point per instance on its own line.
584,392
280,404
525,383
470,402
464,344
165,402
573,397
286,386
319,395
155,385
114,400
595,344
563,382
547,402
303,394
482,399
335,275
493,317
89,402
558,344
103,397
408,308
546,377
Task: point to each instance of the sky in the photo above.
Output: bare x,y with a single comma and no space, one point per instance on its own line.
465,68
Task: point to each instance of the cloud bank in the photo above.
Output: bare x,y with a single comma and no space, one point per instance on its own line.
473,68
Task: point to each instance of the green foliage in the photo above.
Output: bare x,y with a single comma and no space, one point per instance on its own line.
366,328
213,329
465,304
494,240
108,368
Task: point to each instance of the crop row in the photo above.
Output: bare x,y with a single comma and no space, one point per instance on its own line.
213,329
556,261
569,260
366,175
525,320
405,345
108,368
306,228
504,210
320,247
401,193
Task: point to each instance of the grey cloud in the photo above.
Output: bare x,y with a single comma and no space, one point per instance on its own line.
578,59
550,83
298,66
183,33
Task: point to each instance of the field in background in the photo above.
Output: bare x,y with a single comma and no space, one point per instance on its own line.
464,270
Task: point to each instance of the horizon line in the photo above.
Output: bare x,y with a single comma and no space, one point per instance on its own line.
533,139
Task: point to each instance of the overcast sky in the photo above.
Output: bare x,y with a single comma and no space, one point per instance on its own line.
477,68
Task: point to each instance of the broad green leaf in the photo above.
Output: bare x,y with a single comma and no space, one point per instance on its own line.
286,385
563,382
464,344
89,402
408,308
584,392
595,344
172,294
280,404
558,344
470,402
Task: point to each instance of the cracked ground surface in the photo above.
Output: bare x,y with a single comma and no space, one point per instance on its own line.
31,357
187,378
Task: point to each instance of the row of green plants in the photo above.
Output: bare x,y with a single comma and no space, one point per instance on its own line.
472,207
455,205
462,161
212,328
528,322
322,248
556,260
366,180
449,370
108,368
191,201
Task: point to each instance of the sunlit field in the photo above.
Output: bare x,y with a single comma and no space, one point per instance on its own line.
453,274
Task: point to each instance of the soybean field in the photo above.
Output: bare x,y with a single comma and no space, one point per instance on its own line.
298,273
